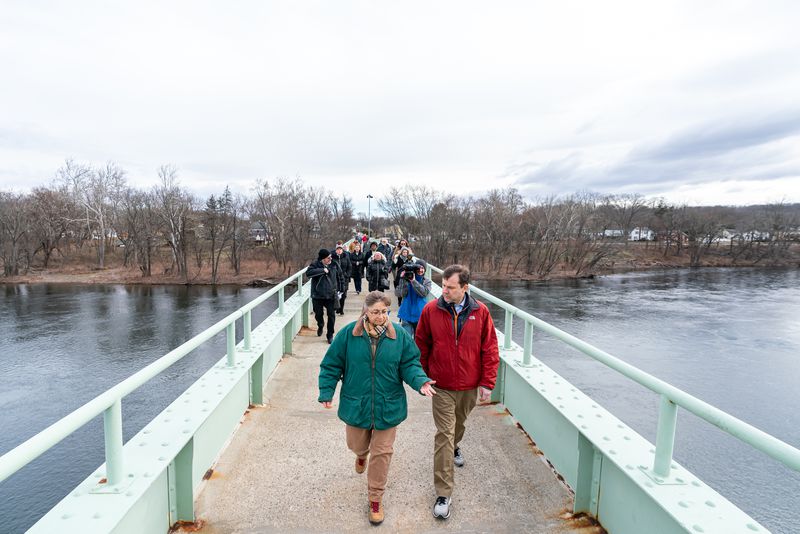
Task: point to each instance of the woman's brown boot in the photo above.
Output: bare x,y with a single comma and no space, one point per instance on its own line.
361,465
376,512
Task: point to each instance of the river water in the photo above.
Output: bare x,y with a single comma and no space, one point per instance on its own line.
61,345
728,336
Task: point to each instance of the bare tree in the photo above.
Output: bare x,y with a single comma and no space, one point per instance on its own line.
240,232
275,204
175,208
216,227
496,218
97,191
625,211
51,212
702,228
141,227
14,228
396,206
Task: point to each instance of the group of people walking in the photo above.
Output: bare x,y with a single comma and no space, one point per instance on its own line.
445,349
332,272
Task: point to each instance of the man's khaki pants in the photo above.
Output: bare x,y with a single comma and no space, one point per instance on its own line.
450,411
378,444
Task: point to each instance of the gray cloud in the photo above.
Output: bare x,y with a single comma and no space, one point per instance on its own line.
719,137
747,149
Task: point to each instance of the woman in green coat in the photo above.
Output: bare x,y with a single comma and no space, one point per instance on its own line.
372,358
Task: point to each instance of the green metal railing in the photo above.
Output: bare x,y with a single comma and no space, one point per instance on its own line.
671,397
109,403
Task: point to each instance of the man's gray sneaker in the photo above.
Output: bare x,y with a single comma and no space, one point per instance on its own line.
441,509
457,458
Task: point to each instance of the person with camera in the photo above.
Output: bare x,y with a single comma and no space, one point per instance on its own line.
403,257
377,273
412,289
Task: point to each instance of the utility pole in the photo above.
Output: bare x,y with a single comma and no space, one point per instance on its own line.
369,217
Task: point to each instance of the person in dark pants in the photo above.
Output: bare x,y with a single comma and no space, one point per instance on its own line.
326,279
357,261
342,259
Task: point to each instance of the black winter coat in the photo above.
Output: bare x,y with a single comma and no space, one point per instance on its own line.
357,261
377,271
344,264
325,286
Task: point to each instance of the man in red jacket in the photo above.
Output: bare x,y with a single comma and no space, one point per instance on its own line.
458,347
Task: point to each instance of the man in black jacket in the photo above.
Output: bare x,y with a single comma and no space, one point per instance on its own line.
342,259
326,279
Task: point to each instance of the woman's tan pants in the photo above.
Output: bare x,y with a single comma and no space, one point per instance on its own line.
378,444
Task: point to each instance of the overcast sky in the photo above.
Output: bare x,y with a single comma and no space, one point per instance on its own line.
694,101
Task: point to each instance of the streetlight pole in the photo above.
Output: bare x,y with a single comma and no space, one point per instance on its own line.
369,216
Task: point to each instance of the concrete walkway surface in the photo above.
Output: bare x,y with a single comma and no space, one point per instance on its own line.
288,468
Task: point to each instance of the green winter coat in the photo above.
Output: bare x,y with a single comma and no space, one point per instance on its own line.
372,393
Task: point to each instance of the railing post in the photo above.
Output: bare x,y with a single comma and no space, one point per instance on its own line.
280,300
248,338
112,429
528,346
300,284
509,327
306,312
231,335
665,437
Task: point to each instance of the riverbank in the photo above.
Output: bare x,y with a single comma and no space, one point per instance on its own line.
631,258
252,272
635,260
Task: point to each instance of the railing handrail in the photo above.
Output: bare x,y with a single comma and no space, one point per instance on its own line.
758,439
32,448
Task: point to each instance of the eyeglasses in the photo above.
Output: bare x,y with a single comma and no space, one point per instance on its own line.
376,313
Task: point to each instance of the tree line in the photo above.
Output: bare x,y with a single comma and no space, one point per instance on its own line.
502,232
91,209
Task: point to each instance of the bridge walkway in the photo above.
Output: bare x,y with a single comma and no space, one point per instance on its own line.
287,468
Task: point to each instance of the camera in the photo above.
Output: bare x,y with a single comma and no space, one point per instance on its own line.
408,270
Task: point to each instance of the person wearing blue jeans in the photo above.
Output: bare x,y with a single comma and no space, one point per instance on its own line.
413,288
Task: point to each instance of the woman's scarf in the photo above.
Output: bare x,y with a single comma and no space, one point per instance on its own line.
374,331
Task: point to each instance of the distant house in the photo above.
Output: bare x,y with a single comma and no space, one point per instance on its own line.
756,235
641,234
726,235
258,232
612,233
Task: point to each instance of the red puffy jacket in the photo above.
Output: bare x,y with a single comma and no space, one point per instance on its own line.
459,352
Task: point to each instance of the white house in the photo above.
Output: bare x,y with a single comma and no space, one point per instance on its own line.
641,234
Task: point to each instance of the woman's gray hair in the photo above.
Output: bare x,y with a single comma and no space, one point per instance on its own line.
373,297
